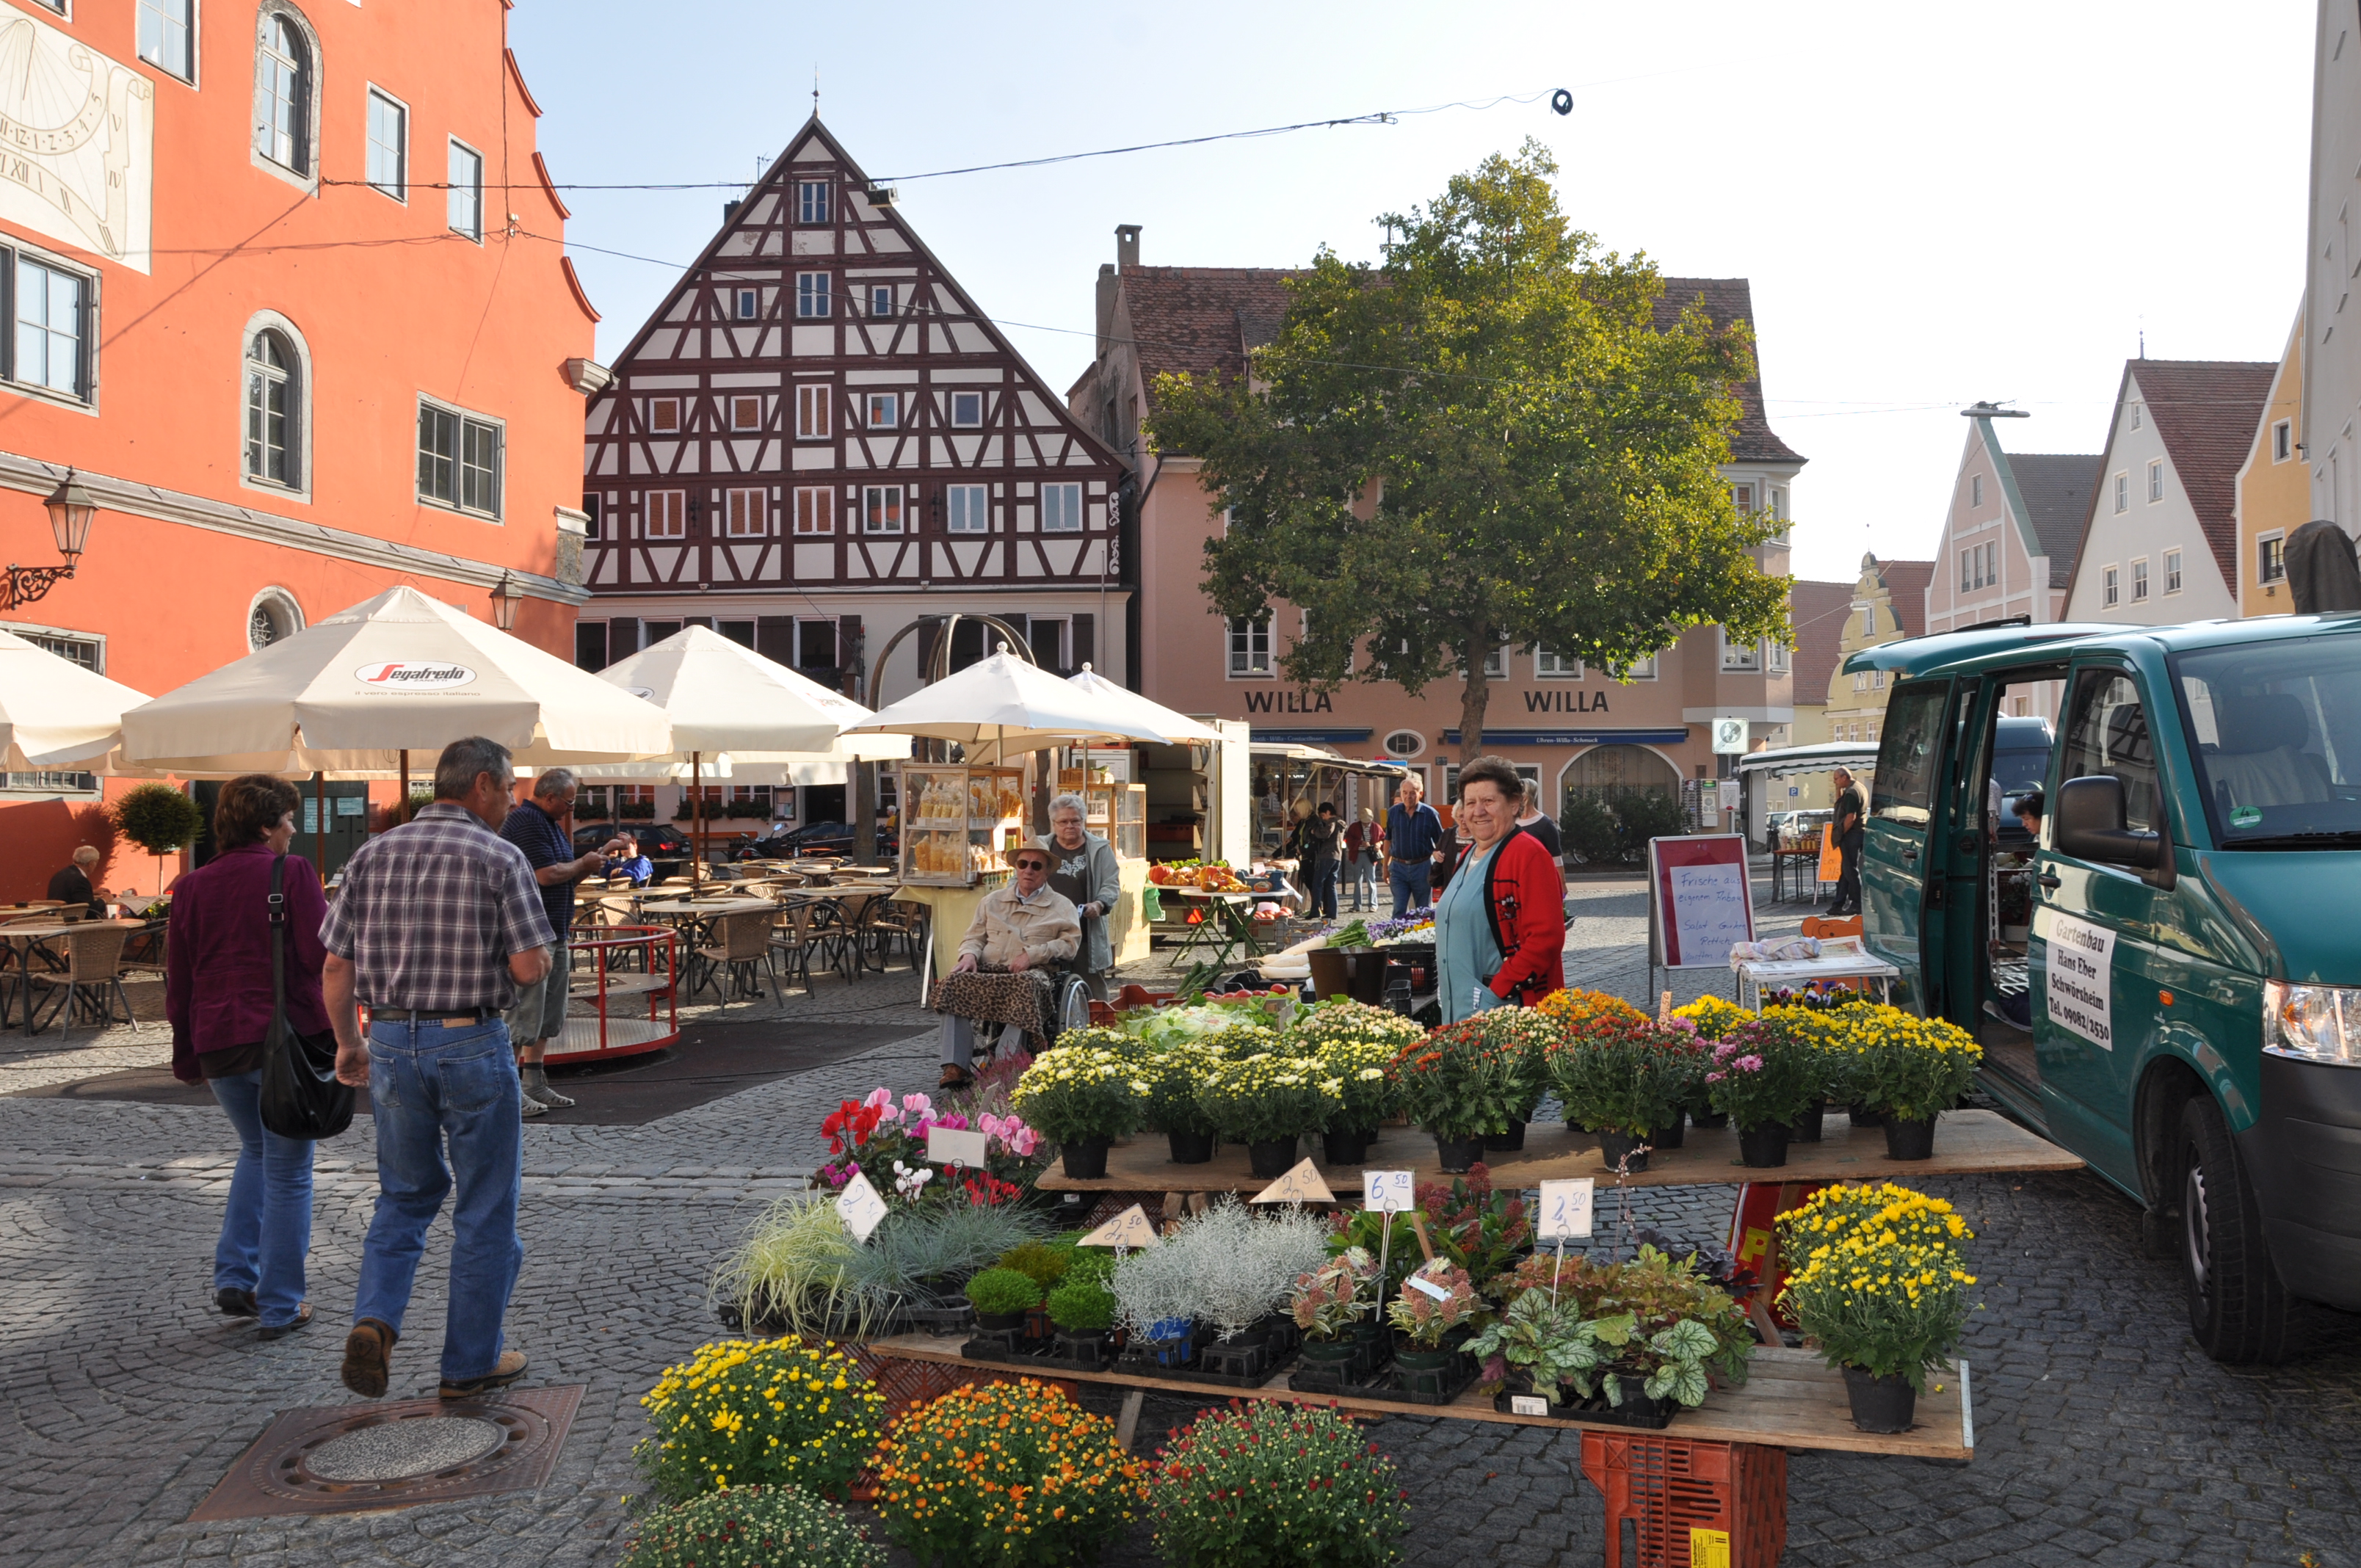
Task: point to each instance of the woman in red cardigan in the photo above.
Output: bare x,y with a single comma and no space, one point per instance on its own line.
1500,923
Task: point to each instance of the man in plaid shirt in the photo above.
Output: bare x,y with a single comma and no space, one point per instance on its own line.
439,923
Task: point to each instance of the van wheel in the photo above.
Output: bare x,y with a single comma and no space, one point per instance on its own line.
2237,1309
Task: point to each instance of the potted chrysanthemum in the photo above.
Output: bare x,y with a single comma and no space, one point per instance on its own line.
1082,1098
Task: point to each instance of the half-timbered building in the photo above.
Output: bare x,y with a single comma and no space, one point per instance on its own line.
818,441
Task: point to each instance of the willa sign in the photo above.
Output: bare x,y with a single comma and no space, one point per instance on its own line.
414,677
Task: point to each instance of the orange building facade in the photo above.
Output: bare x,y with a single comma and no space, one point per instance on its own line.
284,288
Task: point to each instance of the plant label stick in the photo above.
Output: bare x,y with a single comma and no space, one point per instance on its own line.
948,1146
1422,1283
861,1208
1417,1229
1566,1209
1387,1191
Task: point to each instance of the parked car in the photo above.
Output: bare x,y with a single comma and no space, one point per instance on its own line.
812,837
2189,1016
665,845
2021,748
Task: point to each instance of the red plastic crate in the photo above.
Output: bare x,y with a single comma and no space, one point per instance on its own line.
1669,1487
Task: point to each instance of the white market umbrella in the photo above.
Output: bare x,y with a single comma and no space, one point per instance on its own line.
1009,706
355,693
1173,728
732,709
52,711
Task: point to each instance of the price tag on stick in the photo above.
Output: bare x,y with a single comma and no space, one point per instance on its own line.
862,1209
1130,1228
1301,1185
1388,1192
948,1146
1566,1209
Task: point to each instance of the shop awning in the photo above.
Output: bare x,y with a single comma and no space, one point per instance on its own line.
1856,755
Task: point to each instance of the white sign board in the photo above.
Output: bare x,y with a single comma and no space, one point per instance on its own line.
1566,1209
1388,1192
948,1146
1730,737
1730,794
859,1207
1700,905
2081,978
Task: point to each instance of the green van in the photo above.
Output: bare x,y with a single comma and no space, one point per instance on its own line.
2177,999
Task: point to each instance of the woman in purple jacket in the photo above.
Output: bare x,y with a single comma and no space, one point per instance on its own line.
217,995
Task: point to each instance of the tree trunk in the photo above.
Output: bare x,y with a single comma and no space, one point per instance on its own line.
1475,695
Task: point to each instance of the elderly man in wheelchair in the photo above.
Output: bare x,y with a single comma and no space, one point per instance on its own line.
1013,969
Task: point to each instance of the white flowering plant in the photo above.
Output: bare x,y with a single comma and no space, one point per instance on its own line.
1365,1092
1265,1097
1078,1094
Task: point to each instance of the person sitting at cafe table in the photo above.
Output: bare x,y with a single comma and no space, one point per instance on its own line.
1019,929
634,864
71,886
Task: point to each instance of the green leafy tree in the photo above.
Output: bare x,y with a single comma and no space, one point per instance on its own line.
1487,441
161,820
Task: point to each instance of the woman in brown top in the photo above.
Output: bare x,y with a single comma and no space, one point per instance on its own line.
217,995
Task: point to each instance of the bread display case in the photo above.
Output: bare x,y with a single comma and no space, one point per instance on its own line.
1130,834
960,821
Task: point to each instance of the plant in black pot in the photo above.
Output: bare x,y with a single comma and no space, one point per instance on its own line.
1268,1103
1001,1297
1881,1295
1627,1080
1459,1086
1082,1098
1762,1077
1524,1037
1915,1070
1083,1308
1432,1317
1544,1342
1365,1097
1329,1304
1172,1075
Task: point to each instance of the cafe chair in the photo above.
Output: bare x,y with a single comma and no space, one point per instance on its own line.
895,919
799,930
90,985
745,944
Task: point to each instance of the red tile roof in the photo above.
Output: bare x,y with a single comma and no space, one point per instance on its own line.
1906,582
1816,612
1201,319
2205,411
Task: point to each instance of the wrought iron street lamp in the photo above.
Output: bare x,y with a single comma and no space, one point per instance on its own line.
71,510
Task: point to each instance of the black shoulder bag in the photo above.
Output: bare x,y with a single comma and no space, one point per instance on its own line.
300,1096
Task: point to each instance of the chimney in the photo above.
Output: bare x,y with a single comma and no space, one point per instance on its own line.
729,210
1127,246
1106,305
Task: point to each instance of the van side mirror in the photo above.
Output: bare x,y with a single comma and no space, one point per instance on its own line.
2088,824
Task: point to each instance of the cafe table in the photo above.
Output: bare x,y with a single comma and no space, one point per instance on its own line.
18,943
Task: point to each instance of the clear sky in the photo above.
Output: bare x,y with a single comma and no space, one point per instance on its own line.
1935,204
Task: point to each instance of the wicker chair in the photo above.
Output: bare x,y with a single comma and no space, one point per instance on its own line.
90,982
800,929
894,920
745,944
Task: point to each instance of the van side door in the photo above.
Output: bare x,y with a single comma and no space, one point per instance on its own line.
1896,924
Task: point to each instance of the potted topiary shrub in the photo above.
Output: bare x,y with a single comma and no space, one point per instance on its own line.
1001,1297
1082,1098
159,819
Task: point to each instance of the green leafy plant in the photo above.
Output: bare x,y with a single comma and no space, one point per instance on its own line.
1041,1262
752,1526
1333,1297
1082,1305
1481,1228
1614,1075
1457,1084
799,1266
1266,1097
998,1292
743,1412
1590,830
1078,1094
159,819
1552,1342
1005,1475
1265,1485
1423,1316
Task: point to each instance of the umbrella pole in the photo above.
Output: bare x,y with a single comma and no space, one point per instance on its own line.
696,824
401,803
320,822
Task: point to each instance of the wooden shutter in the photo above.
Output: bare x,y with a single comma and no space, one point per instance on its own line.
851,656
622,637
774,639
1085,640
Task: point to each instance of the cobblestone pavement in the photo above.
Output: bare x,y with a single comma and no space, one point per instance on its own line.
2103,1435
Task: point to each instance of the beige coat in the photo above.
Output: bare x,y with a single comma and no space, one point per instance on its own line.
1043,927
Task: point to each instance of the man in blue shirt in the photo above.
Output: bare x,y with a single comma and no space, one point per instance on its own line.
1413,830
538,827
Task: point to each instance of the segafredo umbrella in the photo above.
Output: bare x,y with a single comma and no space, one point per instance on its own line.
52,711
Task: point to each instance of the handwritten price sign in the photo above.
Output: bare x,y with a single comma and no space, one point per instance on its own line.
1301,1185
1388,1192
861,1208
1566,1209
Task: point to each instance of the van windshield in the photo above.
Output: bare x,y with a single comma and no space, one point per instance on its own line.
2276,728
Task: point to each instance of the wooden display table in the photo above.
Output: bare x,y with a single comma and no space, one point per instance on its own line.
1967,1143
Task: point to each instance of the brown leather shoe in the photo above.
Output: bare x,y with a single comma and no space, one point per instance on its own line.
369,1350
510,1369
954,1076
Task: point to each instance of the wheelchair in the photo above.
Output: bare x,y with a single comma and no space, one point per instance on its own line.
1067,1007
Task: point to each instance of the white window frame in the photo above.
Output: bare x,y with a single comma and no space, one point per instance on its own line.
2139,579
738,402
1778,660
301,164
2283,441
876,501
746,304
872,293
959,396
1248,648
1738,658
1741,496
2155,480
666,515
815,514
377,96
14,260
464,210
1968,571
469,424
1064,515
1975,490
2136,416
187,70
679,421
2171,572
814,198
2111,586
1065,625
1550,666
814,421
1496,663
2270,563
1637,669
873,403
966,509
2123,492
746,513
814,296
297,380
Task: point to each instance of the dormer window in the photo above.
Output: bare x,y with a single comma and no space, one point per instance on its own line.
811,200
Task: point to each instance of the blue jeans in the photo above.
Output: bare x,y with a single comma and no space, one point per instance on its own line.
1322,892
1410,880
427,1084
267,1229
1363,877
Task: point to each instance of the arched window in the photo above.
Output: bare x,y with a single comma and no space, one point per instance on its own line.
284,73
272,617
274,411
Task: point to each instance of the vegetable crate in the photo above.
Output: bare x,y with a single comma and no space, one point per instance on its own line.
1692,1505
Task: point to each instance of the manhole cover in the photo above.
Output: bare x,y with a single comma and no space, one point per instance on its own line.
399,1450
